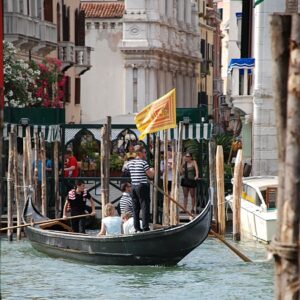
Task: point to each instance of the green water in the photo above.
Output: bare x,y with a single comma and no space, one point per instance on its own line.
211,271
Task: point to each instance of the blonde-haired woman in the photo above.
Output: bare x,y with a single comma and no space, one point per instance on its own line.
111,224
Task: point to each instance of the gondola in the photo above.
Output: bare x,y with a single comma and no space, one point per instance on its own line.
165,246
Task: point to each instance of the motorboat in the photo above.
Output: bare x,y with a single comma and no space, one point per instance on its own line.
258,207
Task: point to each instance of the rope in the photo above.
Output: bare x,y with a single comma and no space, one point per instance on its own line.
284,250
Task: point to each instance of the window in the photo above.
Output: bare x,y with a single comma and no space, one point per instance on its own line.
112,25
77,90
66,23
39,9
135,79
271,195
48,11
15,6
97,25
21,7
33,8
5,6
104,25
250,194
58,21
202,48
67,90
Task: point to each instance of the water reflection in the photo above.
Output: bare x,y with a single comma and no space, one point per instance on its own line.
211,271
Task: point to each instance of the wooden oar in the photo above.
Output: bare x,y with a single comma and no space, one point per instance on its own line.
45,222
173,200
231,247
219,237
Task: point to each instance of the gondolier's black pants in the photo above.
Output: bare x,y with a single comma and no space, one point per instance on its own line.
78,225
141,201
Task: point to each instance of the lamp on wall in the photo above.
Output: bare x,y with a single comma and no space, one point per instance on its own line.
24,121
225,112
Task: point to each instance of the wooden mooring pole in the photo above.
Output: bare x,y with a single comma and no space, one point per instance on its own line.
166,206
285,44
105,154
220,189
212,177
173,207
56,180
237,192
156,178
44,175
10,186
17,185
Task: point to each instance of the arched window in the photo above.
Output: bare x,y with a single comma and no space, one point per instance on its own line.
58,21
48,11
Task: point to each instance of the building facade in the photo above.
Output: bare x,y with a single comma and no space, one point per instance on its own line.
249,85
210,80
55,28
159,51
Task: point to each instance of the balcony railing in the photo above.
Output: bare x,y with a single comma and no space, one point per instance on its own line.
30,33
82,59
48,32
66,54
20,25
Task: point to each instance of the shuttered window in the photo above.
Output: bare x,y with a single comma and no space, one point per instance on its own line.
66,23
77,90
79,28
67,90
48,11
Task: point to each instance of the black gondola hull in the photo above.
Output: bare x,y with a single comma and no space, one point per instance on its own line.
158,247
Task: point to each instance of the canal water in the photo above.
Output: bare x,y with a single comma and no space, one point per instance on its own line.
211,271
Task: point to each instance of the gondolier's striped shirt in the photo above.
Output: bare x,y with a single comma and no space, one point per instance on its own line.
126,204
137,168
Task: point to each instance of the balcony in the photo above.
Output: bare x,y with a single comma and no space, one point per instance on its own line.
66,54
23,31
48,35
29,33
241,84
82,59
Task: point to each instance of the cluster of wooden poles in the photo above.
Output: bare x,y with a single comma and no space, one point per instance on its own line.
18,186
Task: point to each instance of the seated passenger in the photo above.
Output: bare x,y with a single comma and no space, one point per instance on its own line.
126,200
128,226
111,224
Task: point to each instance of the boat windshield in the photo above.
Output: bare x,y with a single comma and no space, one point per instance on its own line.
250,194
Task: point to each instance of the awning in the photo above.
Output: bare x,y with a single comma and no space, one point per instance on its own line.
53,132
50,132
196,131
241,63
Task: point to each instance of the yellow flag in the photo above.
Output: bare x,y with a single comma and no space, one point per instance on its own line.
159,115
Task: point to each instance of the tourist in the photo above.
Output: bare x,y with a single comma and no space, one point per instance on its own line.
126,200
169,174
189,170
139,170
71,166
76,203
128,223
111,224
131,153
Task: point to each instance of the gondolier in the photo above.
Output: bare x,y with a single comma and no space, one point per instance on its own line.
76,202
139,170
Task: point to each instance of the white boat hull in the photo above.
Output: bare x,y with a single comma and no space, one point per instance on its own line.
256,224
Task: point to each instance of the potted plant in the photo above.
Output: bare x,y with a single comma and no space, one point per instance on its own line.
116,164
